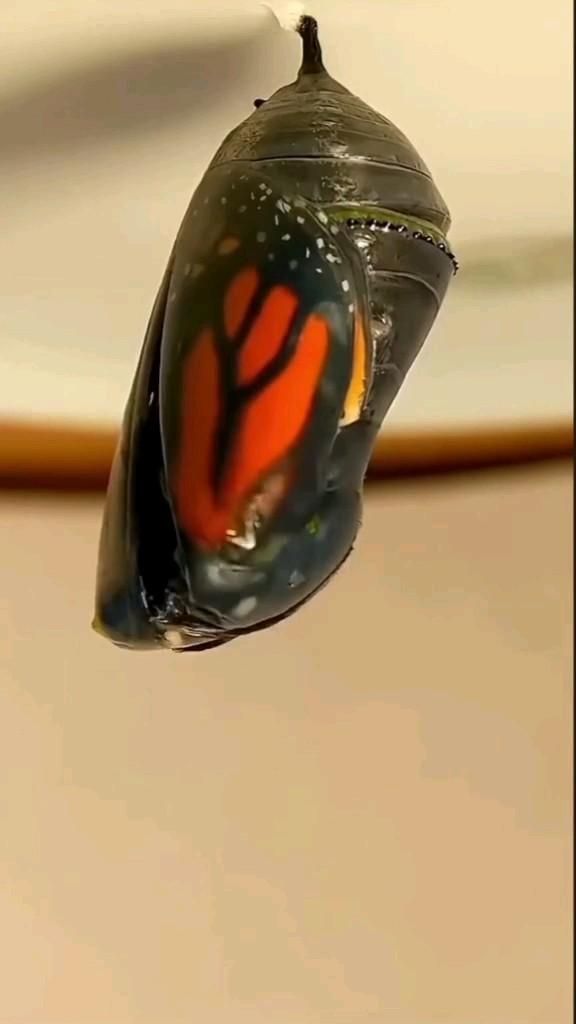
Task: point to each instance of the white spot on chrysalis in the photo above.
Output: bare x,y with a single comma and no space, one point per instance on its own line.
293,264
286,238
242,209
271,256
308,254
223,200
213,571
173,637
318,270
276,219
262,186
345,286
300,220
296,578
322,217
320,243
244,607
283,206
351,307
261,236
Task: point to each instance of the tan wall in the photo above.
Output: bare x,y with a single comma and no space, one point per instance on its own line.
361,816
109,113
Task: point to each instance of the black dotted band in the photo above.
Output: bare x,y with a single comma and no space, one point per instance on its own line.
402,229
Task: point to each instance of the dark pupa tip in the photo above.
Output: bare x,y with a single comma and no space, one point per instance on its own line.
312,63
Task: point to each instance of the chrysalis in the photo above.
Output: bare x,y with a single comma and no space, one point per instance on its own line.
308,270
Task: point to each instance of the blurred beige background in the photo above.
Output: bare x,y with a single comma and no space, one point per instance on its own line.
110,113
362,815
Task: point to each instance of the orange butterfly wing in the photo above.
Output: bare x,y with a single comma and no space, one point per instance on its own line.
270,421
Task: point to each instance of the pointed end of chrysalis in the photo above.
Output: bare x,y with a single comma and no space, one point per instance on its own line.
307,29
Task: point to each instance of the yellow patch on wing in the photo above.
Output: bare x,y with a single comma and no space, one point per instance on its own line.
359,377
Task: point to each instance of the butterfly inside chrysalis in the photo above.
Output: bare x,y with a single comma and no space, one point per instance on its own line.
308,270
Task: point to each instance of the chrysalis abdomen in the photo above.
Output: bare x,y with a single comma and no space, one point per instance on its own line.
308,270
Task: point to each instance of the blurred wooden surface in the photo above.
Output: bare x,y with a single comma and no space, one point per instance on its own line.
362,816
63,457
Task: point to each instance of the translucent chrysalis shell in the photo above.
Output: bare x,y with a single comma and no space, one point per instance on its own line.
308,270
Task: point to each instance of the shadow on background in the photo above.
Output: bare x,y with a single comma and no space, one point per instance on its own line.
522,262
128,95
